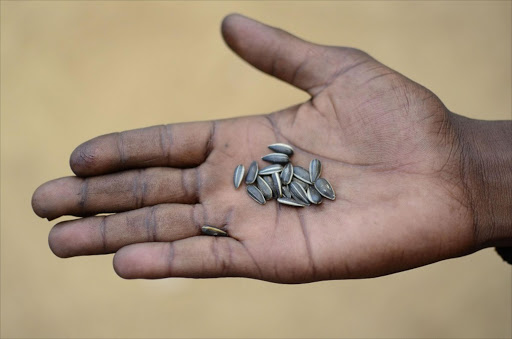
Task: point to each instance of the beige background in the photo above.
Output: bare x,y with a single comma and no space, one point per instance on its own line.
74,70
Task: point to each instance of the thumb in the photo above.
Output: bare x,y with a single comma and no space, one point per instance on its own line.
302,64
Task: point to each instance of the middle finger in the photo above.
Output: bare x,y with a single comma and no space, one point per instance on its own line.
116,192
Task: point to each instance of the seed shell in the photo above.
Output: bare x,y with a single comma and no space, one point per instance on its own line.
301,174
239,175
256,194
211,230
302,183
252,173
271,169
276,158
264,188
286,191
276,188
290,202
281,148
268,180
299,193
287,174
315,169
325,188
313,195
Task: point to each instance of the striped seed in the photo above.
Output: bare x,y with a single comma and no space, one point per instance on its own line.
290,202
315,169
325,189
276,158
287,174
281,148
238,176
302,183
212,230
271,169
252,173
286,191
313,195
268,180
256,194
264,188
298,193
276,188
301,174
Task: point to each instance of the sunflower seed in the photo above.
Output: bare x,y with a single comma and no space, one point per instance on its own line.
325,189
211,230
256,194
315,169
313,195
301,174
252,173
286,191
239,175
276,188
268,180
302,183
287,174
290,202
281,148
299,193
271,169
276,158
264,188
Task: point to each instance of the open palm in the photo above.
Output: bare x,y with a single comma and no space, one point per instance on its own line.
387,146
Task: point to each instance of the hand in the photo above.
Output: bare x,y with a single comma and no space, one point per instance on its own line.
388,146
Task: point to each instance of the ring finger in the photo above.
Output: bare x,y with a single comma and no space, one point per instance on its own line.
107,234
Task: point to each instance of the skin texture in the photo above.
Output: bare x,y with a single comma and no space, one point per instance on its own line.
387,145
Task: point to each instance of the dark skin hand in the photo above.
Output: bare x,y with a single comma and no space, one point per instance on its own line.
389,147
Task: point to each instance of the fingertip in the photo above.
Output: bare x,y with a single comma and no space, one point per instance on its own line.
234,28
37,207
230,19
41,201
83,159
48,202
125,262
55,239
141,261
117,264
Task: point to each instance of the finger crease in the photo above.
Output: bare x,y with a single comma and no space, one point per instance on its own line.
184,186
138,189
167,141
103,233
299,67
150,222
260,272
197,213
171,258
198,183
83,193
121,147
211,140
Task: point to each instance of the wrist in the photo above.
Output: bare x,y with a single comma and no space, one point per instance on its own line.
486,172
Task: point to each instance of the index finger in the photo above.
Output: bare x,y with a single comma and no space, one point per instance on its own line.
174,145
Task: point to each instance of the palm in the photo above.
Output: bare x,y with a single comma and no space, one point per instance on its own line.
386,147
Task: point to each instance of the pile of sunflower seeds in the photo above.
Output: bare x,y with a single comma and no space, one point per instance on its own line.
290,185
